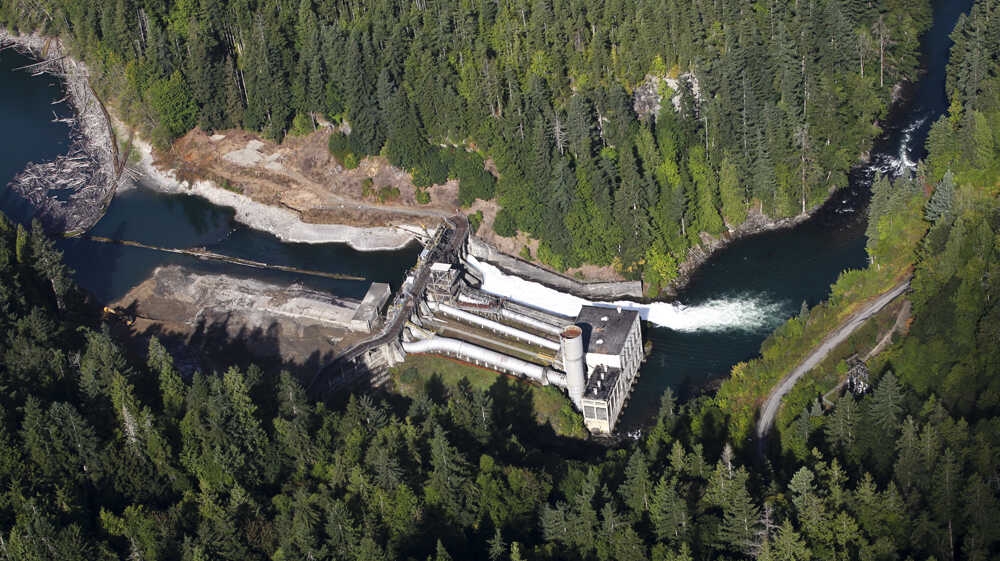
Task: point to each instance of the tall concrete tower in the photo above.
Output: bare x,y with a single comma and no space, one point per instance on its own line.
571,340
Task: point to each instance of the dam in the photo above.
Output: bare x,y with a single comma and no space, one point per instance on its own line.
440,309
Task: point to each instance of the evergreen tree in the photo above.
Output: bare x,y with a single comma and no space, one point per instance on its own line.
940,203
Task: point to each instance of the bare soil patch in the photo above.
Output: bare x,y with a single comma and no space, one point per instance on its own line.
300,174
206,311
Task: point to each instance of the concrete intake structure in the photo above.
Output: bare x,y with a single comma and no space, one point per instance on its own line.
571,340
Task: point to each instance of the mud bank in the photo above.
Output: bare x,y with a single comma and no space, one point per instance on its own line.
291,322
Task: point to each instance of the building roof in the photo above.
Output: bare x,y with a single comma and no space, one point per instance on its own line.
600,382
605,329
439,266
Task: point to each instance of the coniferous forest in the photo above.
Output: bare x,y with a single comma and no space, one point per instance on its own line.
768,105
106,455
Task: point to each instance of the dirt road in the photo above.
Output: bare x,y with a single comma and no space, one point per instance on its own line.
770,408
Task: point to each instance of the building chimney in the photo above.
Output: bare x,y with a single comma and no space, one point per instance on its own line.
571,343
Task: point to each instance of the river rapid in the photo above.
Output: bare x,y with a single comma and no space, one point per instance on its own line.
734,300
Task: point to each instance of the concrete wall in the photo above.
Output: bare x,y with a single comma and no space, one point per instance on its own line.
591,290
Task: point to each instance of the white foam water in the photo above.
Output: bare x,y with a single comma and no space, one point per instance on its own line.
745,312
901,162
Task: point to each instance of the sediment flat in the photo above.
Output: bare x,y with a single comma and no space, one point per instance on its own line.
291,321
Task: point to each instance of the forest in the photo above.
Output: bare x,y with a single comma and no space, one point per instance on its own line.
619,130
105,454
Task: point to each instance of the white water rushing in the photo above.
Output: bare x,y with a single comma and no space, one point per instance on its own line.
894,166
746,313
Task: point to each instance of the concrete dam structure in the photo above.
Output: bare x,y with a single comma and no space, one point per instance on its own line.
593,357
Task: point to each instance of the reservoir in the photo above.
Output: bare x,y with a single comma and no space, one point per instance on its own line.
752,285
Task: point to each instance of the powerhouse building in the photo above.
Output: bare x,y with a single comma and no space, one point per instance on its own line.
594,357
613,343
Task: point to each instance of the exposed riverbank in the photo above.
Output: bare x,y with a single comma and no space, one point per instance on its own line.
298,324
286,224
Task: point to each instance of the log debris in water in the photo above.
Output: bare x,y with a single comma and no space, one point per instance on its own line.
203,253
71,193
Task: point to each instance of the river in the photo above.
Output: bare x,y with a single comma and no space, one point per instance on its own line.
741,294
142,214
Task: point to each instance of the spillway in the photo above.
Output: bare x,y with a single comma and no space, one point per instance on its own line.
746,312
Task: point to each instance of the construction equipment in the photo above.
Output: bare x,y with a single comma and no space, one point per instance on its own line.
120,314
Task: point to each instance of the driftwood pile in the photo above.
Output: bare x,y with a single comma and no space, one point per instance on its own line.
71,193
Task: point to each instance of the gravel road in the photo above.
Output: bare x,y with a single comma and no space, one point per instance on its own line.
770,408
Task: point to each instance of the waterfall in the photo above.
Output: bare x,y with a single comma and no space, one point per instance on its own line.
746,312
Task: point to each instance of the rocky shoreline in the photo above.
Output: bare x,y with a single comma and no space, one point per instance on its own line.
756,223
287,225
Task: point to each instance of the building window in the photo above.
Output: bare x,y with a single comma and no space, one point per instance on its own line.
602,414
588,412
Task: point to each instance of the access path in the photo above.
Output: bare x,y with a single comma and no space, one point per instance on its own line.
770,408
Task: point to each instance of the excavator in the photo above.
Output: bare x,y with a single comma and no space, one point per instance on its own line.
119,313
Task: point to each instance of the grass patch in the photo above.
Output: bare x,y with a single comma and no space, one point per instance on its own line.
228,186
475,220
551,406
387,193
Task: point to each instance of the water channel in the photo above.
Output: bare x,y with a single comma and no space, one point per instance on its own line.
753,285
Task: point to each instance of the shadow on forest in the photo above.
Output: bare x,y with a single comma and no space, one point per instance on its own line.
217,345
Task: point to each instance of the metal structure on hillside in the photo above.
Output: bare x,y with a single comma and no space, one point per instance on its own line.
857,375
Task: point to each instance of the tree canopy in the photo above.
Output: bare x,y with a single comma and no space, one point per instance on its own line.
774,100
